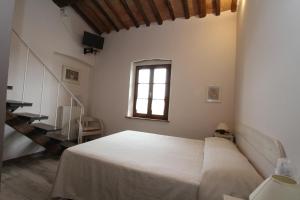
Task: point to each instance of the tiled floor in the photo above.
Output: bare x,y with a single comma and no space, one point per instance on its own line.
28,178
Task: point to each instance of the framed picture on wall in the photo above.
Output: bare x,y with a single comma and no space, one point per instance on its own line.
70,75
213,94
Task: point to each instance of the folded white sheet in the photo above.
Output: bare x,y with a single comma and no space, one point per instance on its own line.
226,171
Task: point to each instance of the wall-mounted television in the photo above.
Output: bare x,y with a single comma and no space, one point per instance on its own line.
92,40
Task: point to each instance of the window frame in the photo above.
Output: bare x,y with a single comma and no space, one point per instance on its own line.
149,114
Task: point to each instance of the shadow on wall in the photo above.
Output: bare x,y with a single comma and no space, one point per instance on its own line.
16,145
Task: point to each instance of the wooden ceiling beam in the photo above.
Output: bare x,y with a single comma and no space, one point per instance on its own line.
155,12
170,8
129,12
233,5
86,19
186,10
109,15
105,14
103,25
217,7
142,11
202,8
90,11
110,6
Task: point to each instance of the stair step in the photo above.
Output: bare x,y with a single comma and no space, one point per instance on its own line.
9,87
57,136
14,103
46,127
68,144
32,116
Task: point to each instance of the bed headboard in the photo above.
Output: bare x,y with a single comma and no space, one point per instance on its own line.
261,150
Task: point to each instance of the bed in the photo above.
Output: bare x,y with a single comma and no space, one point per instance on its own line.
134,165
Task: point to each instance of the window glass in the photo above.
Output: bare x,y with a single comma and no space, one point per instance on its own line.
143,91
142,106
159,91
144,75
158,107
160,75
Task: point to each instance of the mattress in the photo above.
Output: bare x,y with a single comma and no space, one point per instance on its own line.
131,165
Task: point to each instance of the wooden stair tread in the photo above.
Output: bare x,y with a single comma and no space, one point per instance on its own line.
32,116
17,103
43,134
68,144
46,127
57,136
9,87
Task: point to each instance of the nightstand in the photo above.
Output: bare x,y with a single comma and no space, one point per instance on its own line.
225,136
227,197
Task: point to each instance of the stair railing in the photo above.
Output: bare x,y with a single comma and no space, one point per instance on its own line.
60,84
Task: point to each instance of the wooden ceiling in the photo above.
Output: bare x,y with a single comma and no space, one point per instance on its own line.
114,15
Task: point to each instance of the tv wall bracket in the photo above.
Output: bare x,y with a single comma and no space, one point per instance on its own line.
90,51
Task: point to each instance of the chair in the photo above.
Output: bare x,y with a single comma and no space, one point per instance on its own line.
90,126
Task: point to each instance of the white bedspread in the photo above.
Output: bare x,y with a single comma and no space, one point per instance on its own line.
131,166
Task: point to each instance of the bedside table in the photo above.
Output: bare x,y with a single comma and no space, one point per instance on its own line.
225,136
227,197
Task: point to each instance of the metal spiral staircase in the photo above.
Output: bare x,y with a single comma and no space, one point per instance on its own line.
29,124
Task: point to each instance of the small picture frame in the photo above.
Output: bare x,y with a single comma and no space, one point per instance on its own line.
70,75
213,94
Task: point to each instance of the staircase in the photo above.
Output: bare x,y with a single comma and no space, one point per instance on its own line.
30,124
40,133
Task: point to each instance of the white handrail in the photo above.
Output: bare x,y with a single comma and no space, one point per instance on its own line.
57,100
42,92
49,70
25,74
70,118
60,83
80,120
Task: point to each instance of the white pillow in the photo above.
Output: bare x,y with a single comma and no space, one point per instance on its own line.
226,171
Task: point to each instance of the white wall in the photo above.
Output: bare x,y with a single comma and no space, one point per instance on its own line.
202,53
268,60
57,40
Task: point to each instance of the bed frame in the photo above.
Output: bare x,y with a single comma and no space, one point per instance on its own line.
261,150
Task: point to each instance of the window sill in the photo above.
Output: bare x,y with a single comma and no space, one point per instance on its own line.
149,119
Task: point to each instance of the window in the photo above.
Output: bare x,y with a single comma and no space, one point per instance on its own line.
152,91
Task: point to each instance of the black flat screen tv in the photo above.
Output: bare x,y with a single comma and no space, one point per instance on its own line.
92,40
